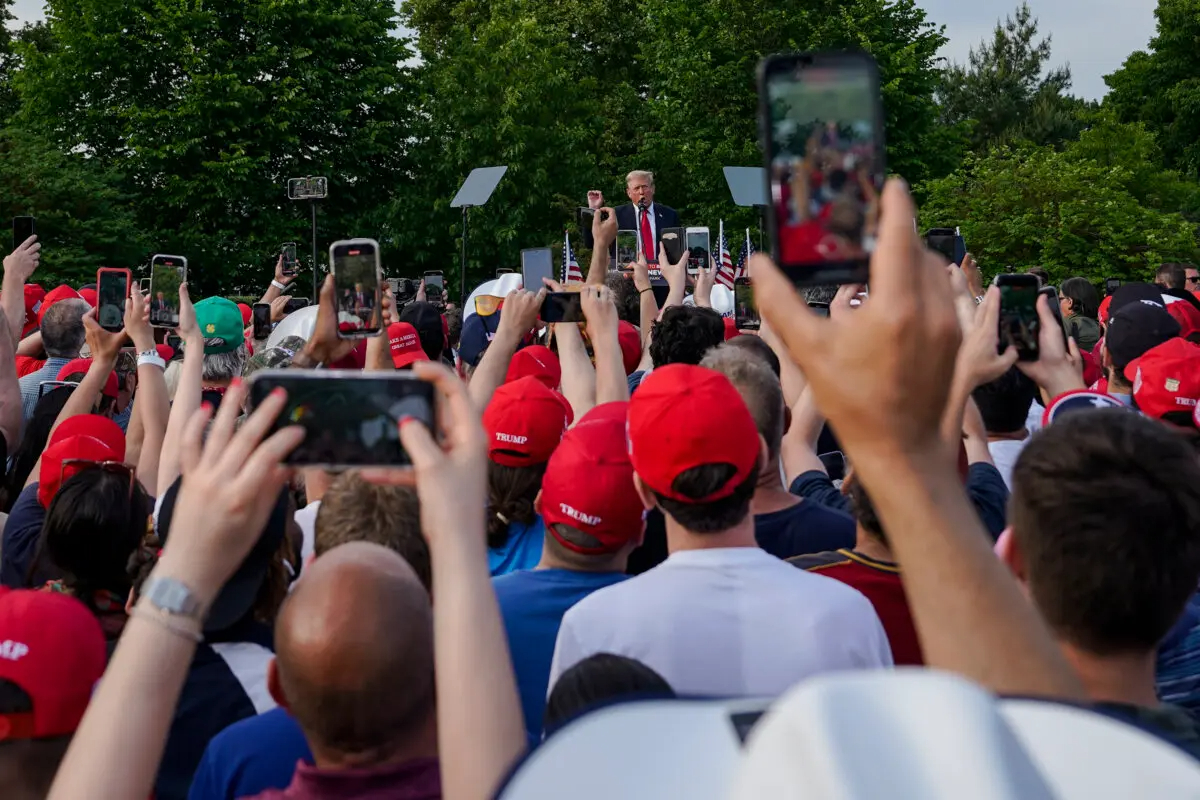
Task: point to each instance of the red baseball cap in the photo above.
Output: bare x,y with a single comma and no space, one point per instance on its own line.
57,293
589,486
525,422
683,417
247,313
90,437
1166,378
89,296
83,365
536,361
165,351
405,345
617,410
52,647
631,346
34,294
730,327
1102,313
1186,315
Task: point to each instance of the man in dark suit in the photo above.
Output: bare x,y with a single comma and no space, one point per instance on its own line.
640,214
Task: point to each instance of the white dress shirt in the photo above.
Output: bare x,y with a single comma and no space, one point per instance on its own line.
637,218
730,622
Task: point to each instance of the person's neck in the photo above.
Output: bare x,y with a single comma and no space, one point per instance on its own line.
871,547
598,564
680,538
316,484
423,744
1126,678
1014,436
1117,385
771,495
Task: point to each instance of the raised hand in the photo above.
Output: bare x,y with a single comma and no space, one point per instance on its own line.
279,275
279,307
137,320
595,199
104,346
324,345
600,312
188,328
1059,367
604,232
20,263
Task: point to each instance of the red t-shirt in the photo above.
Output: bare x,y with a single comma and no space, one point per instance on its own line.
26,365
879,581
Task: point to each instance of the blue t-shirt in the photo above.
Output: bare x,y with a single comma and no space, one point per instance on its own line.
807,527
532,604
249,757
522,550
20,540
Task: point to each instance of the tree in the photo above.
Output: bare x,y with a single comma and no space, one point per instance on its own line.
1162,87
1005,95
1100,207
205,110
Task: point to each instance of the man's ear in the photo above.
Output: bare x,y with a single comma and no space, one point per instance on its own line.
787,418
273,685
648,501
1010,553
537,503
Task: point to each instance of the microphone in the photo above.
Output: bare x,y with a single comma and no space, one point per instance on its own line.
642,204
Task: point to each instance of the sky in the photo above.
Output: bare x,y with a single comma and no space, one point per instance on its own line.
1093,36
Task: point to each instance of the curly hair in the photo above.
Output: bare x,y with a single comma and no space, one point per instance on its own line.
684,334
626,296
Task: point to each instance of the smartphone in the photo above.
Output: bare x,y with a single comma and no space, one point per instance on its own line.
166,273
358,287
435,287
23,228
562,307
503,271
1019,324
673,243
1051,293
350,418
821,119
261,319
744,309
536,264
144,285
290,262
294,304
112,289
1111,285
586,214
699,250
941,241
628,247
50,386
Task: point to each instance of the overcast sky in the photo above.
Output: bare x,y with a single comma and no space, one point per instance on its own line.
1093,36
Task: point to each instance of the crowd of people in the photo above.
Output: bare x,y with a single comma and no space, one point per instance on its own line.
651,503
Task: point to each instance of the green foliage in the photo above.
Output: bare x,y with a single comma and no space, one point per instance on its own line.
1099,208
1004,95
1162,87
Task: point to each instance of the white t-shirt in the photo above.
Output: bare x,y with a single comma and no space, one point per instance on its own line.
733,622
1004,456
306,520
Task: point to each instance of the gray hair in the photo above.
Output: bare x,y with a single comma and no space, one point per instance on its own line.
758,386
225,366
62,328
639,173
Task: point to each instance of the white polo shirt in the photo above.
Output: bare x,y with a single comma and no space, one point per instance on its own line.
731,622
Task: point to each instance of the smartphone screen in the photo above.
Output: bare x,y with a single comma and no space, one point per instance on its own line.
627,248
562,307
942,241
673,243
1111,285
112,288
1019,325
350,418
699,250
536,264
288,251
294,304
745,310
435,286
166,273
23,228
822,123
357,286
261,318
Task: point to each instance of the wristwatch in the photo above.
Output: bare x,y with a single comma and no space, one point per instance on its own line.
151,356
173,597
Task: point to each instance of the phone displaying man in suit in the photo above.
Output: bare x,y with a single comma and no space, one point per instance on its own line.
640,214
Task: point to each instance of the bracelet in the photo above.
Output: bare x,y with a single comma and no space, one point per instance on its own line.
647,289
167,624
152,358
979,299
278,285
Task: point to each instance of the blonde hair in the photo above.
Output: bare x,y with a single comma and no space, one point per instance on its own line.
639,173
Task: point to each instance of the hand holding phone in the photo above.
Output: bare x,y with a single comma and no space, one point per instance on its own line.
288,266
562,307
112,290
23,228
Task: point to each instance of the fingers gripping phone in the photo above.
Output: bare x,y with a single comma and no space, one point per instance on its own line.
628,246
261,319
536,264
358,287
350,418
166,274
290,262
23,228
821,118
699,250
562,307
1019,322
745,310
112,289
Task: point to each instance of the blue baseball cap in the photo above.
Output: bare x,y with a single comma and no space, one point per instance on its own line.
477,334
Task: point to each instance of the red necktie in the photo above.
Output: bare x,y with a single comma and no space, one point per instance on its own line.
648,238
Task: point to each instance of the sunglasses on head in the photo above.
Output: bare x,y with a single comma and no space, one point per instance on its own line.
73,466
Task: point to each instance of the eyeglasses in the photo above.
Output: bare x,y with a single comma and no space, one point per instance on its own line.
1193,280
73,466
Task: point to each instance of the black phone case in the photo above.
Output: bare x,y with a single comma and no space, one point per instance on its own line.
675,247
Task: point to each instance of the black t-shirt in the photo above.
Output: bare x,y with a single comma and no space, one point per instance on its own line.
806,527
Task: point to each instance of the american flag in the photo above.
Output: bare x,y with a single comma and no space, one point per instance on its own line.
725,271
744,255
570,271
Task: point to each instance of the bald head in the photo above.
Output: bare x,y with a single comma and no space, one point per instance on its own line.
354,653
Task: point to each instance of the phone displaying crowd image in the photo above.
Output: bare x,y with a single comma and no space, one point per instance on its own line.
699,250
112,289
562,307
290,262
261,319
536,264
23,228
627,248
435,287
1019,324
357,287
744,308
166,273
821,118
350,418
